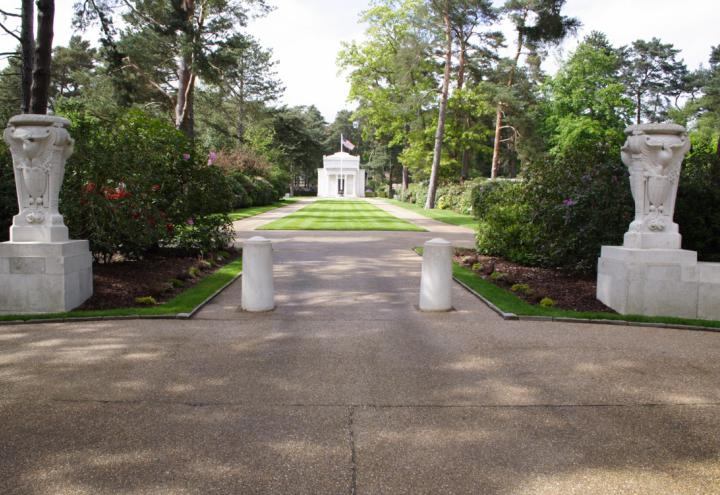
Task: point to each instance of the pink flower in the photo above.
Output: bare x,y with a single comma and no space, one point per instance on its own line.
569,202
212,157
186,156
190,221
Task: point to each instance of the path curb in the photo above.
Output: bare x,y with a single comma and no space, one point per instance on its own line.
171,316
565,319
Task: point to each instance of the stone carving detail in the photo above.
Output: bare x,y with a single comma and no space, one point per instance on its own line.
653,154
40,146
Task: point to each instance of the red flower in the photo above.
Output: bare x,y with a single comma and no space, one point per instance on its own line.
135,215
89,187
151,222
170,228
155,187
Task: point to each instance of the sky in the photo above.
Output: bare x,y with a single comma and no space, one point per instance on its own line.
306,35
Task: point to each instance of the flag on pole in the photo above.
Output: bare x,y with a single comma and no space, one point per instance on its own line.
347,144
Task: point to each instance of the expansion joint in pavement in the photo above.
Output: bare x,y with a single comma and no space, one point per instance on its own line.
352,407
351,438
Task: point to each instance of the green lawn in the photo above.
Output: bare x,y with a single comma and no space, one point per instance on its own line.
256,210
185,302
510,303
341,215
447,216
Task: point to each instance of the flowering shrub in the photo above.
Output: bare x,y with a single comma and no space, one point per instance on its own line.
255,182
132,181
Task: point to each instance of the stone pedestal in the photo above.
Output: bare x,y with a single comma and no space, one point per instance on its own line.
42,277
41,269
436,279
659,282
650,274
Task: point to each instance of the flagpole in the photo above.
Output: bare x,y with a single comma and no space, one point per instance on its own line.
342,177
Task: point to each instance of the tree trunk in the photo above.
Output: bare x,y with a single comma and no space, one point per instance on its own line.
184,102
241,104
440,132
43,57
405,181
638,102
496,145
241,123
390,179
27,44
499,115
186,76
465,160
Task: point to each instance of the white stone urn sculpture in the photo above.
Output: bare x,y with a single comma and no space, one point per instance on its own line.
41,269
650,274
40,146
653,154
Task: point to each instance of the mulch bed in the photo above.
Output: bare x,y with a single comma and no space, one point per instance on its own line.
569,291
117,284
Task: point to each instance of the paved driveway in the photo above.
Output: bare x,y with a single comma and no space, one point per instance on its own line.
346,388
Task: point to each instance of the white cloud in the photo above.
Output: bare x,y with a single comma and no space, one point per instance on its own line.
306,36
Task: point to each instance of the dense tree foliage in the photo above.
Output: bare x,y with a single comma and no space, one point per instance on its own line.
560,135
173,119
438,110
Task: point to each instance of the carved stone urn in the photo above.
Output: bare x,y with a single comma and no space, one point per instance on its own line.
41,269
650,274
653,154
40,145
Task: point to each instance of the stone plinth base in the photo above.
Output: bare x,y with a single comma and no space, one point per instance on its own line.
38,277
658,282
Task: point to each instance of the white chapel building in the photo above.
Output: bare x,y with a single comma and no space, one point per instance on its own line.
341,176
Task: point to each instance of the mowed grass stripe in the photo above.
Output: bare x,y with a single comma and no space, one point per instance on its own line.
328,214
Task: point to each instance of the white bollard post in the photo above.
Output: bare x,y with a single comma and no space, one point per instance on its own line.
258,292
436,280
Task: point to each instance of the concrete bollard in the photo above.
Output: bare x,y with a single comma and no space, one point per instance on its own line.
258,292
436,280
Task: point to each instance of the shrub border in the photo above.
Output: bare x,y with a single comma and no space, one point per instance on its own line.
632,320
649,321
234,266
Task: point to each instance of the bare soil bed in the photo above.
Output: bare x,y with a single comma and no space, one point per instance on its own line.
117,284
567,290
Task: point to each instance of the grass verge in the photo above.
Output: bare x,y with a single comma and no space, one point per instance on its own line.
341,215
251,211
510,303
446,216
185,302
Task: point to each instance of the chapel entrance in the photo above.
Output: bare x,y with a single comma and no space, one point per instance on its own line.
341,187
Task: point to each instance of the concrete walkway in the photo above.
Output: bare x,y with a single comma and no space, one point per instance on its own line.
347,389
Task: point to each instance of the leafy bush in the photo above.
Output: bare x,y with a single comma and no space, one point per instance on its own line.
132,181
263,193
205,234
698,202
547,302
240,196
8,198
458,197
522,289
482,195
506,229
255,181
146,301
416,194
